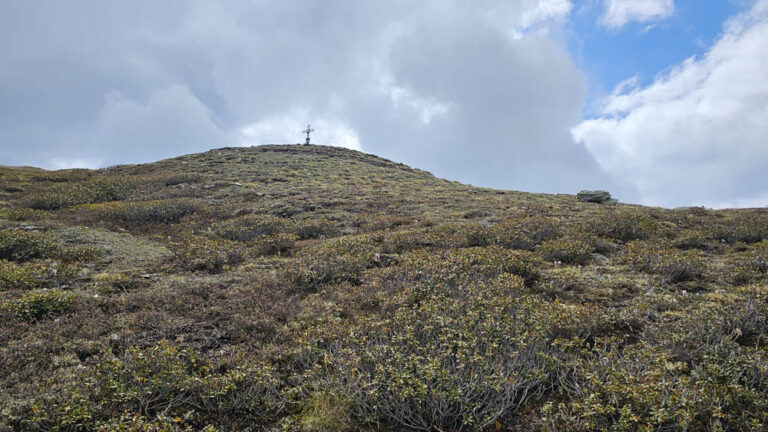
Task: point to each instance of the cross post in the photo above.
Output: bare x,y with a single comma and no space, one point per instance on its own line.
308,131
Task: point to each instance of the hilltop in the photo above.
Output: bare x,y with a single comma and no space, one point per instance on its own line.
318,288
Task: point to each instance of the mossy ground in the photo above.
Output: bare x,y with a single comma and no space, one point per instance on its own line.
316,288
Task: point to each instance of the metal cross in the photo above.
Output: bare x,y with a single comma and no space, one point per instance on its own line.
308,131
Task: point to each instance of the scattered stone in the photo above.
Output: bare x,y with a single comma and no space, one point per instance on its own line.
600,197
209,186
148,275
237,184
599,257
32,228
114,337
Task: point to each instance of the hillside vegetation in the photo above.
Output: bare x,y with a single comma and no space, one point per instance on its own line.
320,289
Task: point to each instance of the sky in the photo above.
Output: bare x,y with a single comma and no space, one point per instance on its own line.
661,102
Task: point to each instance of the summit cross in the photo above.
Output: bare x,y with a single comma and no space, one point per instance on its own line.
308,131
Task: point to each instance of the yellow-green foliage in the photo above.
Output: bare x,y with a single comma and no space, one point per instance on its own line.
337,260
253,227
163,382
136,213
33,275
623,225
114,282
275,244
516,233
18,245
655,258
37,304
203,253
461,265
93,190
568,251
315,288
326,411
744,227
642,388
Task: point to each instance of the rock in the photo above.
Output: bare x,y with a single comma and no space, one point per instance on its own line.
32,228
600,197
599,257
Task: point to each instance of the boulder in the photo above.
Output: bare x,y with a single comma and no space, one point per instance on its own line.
600,197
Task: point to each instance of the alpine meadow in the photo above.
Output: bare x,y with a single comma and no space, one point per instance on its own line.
315,288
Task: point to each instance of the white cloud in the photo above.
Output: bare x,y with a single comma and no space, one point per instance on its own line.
697,134
481,91
171,122
58,163
620,12
286,128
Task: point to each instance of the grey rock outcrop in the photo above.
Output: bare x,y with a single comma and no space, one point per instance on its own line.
600,197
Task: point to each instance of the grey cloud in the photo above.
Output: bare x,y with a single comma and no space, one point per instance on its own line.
475,91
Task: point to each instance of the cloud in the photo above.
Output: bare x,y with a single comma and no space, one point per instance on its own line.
287,127
482,91
619,13
697,135
172,119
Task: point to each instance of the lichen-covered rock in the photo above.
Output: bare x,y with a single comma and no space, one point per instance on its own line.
600,197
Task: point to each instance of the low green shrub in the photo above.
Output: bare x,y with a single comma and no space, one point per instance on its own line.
654,258
92,190
37,304
251,227
138,213
641,388
623,225
515,233
462,265
274,244
747,227
31,275
202,253
336,260
19,246
162,385
316,228
463,358
567,251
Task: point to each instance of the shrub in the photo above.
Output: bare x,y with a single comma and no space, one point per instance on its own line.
148,385
177,179
137,213
33,275
749,266
334,261
568,251
623,225
467,264
109,283
463,358
747,227
691,240
212,255
94,190
316,228
20,246
642,388
252,227
274,244
37,304
515,233
677,266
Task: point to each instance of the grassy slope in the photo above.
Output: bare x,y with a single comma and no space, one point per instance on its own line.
316,288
